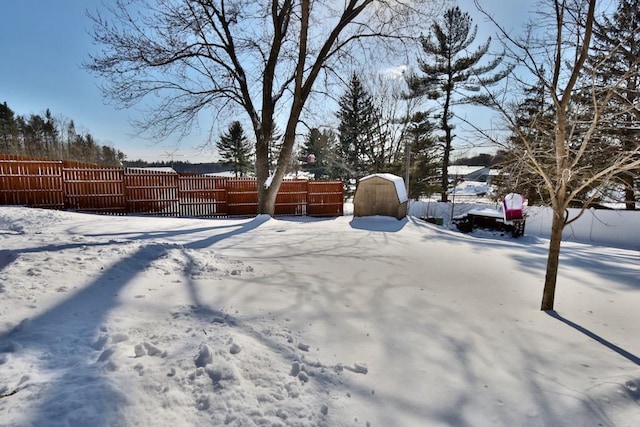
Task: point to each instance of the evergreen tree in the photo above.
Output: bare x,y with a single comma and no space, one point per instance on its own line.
34,135
615,63
358,124
48,138
423,156
317,153
451,75
534,122
235,150
9,142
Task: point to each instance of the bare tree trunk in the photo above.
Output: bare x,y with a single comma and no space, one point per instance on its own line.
629,193
262,173
268,205
553,259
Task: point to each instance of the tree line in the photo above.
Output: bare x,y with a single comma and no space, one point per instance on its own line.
47,137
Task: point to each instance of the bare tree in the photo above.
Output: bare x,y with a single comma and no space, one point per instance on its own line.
395,111
263,57
564,164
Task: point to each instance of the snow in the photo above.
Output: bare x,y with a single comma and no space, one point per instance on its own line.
595,226
471,188
164,169
462,170
492,213
373,321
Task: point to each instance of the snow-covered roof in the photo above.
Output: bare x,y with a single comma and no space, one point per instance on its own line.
401,190
474,188
222,174
155,169
462,170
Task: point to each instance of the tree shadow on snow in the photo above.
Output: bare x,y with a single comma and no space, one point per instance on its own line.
234,228
622,352
613,264
76,359
324,377
378,223
243,228
6,258
63,340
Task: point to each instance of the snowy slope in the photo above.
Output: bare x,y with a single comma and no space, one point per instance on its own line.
304,322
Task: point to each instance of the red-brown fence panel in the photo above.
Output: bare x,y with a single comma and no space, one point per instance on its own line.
292,198
242,196
325,198
112,190
151,191
202,196
91,189
36,183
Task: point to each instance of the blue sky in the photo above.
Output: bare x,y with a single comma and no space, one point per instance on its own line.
44,43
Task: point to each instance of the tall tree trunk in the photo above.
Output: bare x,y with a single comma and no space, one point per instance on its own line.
629,193
267,194
262,173
445,167
553,259
268,206
447,144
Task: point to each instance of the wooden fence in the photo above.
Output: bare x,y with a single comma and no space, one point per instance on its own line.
74,186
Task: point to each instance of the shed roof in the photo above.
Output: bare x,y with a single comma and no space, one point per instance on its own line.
401,190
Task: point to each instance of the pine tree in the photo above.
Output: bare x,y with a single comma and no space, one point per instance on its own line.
235,150
451,75
9,143
51,140
615,63
47,137
423,156
358,123
317,153
533,122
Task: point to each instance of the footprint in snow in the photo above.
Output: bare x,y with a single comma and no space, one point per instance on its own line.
148,349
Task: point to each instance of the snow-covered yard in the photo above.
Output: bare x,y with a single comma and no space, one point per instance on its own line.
121,321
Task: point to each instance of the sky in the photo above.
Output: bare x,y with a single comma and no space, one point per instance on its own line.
44,44
338,322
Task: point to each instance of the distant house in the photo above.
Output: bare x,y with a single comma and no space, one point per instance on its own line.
163,169
381,194
462,171
472,173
